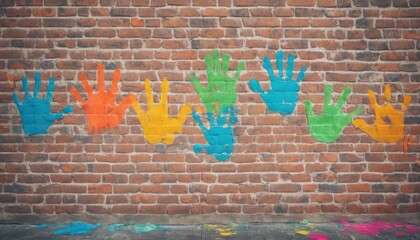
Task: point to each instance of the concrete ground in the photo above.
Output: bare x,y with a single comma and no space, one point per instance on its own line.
277,231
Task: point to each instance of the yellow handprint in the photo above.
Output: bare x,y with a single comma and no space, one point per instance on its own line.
389,122
157,126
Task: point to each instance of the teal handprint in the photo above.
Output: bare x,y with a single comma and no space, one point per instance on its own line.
219,136
327,127
283,96
220,88
35,112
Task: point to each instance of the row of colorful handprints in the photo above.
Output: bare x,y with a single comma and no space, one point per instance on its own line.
219,98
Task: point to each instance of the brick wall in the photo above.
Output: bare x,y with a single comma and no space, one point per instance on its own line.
276,167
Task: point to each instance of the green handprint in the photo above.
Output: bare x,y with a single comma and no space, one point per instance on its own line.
327,127
220,87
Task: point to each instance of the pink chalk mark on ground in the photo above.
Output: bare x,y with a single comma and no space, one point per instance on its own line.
377,227
400,233
318,236
345,233
412,229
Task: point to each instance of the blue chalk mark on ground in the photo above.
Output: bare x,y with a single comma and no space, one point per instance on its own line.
77,228
283,96
137,228
35,112
219,136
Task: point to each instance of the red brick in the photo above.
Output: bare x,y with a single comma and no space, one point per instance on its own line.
261,22
306,3
175,23
358,187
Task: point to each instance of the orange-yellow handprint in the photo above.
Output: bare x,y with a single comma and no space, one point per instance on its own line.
389,122
100,108
157,126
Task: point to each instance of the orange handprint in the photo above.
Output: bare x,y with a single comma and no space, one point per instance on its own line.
100,108
158,127
389,122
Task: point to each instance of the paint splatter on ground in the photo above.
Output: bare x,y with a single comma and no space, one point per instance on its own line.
225,230
76,228
138,228
305,230
378,227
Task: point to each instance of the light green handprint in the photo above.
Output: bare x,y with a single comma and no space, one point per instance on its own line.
220,87
327,127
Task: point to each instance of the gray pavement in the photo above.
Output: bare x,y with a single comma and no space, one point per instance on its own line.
277,231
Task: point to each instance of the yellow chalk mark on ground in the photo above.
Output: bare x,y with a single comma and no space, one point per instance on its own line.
302,232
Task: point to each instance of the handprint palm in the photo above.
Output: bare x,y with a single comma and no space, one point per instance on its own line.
220,138
100,108
35,112
220,88
283,96
327,127
389,122
158,127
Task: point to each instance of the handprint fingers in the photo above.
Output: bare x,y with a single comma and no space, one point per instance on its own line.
283,96
140,113
301,75
77,95
327,95
85,84
372,99
115,80
221,119
360,123
267,66
149,95
199,147
37,84
125,103
35,113
308,107
17,101
158,127
389,122
209,64
183,113
225,63
407,101
279,62
197,118
387,93
255,86
343,97
327,127
164,94
67,109
101,79
50,89
239,69
197,85
211,119
60,115
25,86
290,66
355,112
233,118
216,61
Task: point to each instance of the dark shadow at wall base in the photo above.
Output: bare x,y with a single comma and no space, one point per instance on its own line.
411,218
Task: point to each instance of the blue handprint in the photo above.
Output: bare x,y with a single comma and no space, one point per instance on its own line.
35,112
283,96
220,138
